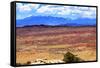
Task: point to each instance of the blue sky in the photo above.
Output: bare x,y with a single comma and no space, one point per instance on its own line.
33,14
67,12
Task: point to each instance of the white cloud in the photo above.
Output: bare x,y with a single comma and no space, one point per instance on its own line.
26,7
68,11
48,9
54,10
72,12
89,15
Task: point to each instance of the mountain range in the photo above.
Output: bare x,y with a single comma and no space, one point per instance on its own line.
54,21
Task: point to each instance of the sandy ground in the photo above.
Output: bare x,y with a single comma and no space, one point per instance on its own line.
52,43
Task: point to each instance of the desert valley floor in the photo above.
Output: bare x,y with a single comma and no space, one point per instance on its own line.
36,43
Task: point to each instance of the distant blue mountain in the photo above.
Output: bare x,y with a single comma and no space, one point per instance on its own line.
49,20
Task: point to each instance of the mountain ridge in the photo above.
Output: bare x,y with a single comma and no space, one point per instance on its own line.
46,20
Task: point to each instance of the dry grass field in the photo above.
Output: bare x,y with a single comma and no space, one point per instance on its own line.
51,43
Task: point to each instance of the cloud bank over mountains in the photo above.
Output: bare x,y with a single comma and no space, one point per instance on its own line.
69,12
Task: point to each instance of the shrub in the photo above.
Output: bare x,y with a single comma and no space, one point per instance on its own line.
70,58
29,62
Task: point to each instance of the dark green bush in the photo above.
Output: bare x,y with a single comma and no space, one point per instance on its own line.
71,58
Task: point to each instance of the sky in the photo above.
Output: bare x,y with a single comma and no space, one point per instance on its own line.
71,12
25,10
